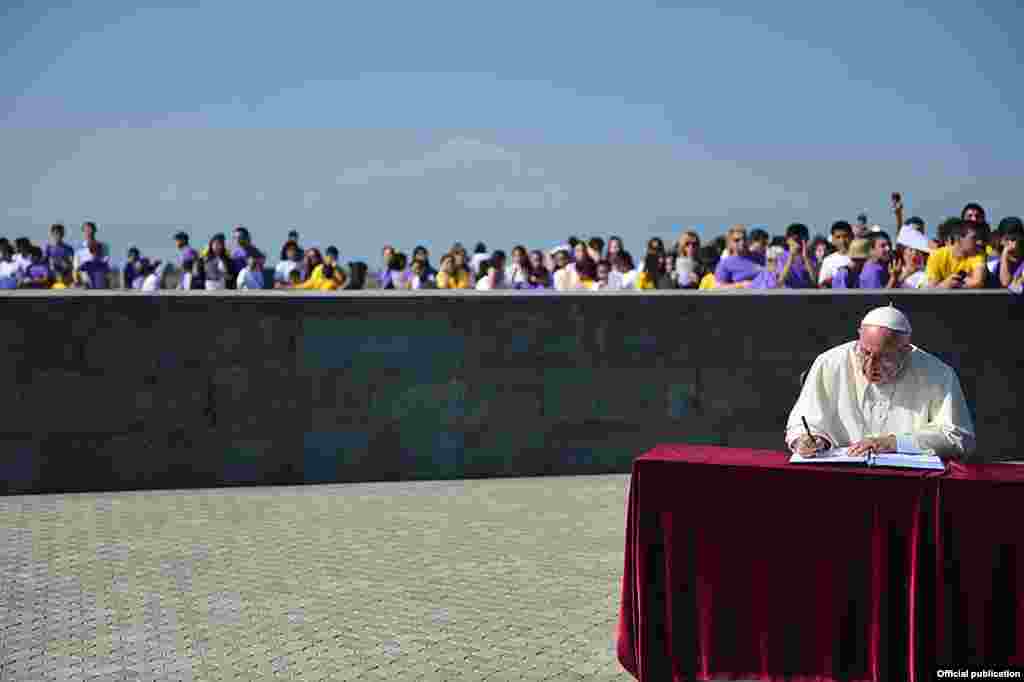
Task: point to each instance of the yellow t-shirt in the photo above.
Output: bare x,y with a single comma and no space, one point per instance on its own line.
942,263
460,280
58,285
708,281
316,280
644,281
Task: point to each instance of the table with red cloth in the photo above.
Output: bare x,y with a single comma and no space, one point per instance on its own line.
741,566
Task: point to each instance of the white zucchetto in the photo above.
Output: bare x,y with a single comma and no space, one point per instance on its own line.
888,317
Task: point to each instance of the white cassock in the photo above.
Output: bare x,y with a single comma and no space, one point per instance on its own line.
924,406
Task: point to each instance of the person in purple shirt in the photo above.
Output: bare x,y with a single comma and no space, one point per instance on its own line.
95,268
240,254
57,249
38,275
848,276
132,269
741,266
798,266
876,271
89,230
185,252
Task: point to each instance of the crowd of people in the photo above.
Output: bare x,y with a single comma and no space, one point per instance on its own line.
964,253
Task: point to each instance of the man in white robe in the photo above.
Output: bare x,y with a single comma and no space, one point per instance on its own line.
882,394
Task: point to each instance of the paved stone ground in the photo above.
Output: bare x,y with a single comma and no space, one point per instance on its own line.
495,579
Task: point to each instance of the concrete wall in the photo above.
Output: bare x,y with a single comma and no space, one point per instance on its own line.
129,391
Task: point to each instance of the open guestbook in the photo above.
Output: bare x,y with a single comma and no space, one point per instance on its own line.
903,460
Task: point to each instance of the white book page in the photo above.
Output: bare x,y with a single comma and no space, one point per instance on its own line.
830,456
903,460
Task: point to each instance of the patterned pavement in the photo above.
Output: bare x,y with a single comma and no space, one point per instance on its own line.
496,579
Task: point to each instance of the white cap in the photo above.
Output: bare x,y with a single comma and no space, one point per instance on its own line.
910,236
887,317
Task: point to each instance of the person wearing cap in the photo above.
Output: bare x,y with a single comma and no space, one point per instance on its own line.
880,393
185,252
959,264
913,257
849,276
132,270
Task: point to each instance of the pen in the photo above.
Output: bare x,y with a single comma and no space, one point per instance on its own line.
808,430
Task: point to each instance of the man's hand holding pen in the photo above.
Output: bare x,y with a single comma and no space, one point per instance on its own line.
808,445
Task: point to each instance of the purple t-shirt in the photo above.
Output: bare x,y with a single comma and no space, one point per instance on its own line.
732,269
60,251
1019,271
872,276
798,277
38,271
186,253
97,272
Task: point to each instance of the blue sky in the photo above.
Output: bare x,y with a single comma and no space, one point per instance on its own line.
408,123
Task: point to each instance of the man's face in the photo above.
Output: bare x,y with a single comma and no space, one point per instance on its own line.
881,353
614,247
841,240
388,252
56,236
420,256
758,246
738,243
329,258
180,243
881,251
602,272
241,238
973,215
89,231
967,245
562,259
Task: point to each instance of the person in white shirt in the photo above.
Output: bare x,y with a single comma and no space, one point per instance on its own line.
10,275
216,266
488,276
623,275
842,236
251,276
479,256
563,278
152,276
881,394
517,274
291,258
83,254
22,255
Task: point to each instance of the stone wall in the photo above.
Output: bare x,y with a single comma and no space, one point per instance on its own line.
115,391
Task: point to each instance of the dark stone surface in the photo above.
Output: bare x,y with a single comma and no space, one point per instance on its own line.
123,391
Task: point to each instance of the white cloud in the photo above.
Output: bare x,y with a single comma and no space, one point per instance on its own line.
550,196
456,153
170,193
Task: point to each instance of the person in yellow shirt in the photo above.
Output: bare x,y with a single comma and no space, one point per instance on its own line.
648,278
959,264
451,276
708,256
325,277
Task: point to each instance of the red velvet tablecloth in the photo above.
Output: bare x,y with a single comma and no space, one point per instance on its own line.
739,565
